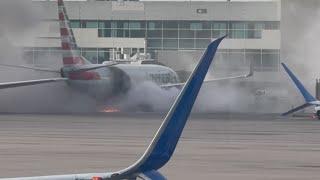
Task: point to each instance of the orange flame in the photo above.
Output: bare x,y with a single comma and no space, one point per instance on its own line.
110,109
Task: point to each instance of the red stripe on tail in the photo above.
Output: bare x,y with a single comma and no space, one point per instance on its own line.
64,32
66,46
61,17
60,2
72,60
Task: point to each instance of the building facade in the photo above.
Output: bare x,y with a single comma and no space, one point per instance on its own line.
174,33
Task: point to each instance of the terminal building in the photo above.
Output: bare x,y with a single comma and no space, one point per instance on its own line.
172,33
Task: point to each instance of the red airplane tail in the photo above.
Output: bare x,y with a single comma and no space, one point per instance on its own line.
71,53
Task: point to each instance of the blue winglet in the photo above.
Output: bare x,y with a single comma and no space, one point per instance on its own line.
179,113
307,96
164,142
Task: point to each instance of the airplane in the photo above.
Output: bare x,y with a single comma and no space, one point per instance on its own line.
309,99
166,138
101,81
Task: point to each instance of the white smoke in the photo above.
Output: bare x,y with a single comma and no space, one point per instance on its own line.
19,23
148,96
300,44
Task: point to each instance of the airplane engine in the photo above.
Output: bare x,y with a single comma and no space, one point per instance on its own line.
121,81
317,111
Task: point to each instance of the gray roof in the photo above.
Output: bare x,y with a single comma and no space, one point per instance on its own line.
165,10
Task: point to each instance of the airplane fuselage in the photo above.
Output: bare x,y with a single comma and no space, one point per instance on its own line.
118,79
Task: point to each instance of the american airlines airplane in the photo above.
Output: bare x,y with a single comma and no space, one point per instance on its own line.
309,99
165,140
101,80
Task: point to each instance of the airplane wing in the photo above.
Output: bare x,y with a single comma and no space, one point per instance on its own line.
304,92
92,66
297,109
210,80
165,140
31,67
81,68
214,80
7,85
309,99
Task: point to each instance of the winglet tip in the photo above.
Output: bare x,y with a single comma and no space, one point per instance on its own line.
217,41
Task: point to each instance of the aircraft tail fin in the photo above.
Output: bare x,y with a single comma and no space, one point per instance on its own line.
71,53
165,140
306,95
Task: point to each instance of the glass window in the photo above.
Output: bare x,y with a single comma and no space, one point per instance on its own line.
103,56
141,50
170,24
186,34
196,25
119,24
219,33
100,32
253,51
202,43
104,33
137,33
272,25
219,25
104,24
206,25
237,34
113,33
170,43
203,34
170,33
259,26
75,24
152,25
254,34
154,33
91,55
270,51
237,25
270,62
39,56
136,25
255,58
114,24
154,43
119,32
186,43
184,24
90,24
255,25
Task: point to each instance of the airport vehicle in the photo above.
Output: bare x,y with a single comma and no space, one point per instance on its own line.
309,99
165,140
101,81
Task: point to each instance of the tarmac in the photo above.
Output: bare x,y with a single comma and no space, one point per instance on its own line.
213,146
